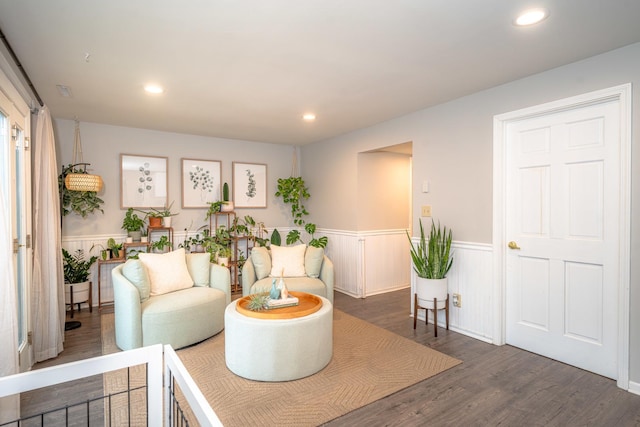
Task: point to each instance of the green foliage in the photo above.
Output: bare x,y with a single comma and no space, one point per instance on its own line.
79,202
320,242
161,243
434,261
131,221
293,192
293,237
115,247
159,213
275,238
76,268
213,208
258,302
225,192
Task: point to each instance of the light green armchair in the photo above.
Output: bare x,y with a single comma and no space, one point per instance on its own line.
179,318
315,274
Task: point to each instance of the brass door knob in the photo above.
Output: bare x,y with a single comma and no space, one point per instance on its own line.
513,245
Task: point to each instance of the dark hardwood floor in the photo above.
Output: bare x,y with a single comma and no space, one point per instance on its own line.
493,386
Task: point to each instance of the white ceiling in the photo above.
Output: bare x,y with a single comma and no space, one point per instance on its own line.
249,69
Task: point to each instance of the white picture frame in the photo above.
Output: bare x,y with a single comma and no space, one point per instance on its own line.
201,182
249,185
143,181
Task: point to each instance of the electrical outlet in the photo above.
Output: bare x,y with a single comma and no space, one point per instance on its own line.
457,300
426,210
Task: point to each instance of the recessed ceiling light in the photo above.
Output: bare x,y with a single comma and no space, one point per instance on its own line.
531,16
153,89
308,117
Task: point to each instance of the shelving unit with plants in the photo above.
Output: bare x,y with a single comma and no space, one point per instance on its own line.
234,240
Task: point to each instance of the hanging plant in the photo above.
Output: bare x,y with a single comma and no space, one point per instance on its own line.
79,202
293,192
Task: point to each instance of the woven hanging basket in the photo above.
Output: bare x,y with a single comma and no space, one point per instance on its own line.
83,182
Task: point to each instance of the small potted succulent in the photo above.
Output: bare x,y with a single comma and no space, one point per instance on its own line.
227,205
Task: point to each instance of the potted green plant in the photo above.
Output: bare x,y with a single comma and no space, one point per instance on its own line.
115,248
432,261
161,245
164,215
224,254
227,205
133,224
76,276
105,253
82,203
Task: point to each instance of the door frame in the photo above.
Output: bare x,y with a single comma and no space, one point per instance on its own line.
622,95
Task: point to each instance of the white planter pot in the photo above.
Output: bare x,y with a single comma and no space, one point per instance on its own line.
223,261
166,221
80,292
428,289
226,207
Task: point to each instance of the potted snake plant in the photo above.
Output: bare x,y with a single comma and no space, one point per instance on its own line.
432,261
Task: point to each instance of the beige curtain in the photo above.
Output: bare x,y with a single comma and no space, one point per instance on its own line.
47,302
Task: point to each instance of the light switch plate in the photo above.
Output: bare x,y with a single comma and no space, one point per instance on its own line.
426,211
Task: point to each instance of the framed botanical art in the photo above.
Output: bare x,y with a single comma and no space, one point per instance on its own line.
200,182
249,185
143,181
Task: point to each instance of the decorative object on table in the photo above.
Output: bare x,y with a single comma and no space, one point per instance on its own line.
143,181
275,292
144,237
227,205
294,192
284,293
431,264
249,185
133,224
200,182
258,302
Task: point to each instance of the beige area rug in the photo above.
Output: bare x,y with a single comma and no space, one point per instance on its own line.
368,364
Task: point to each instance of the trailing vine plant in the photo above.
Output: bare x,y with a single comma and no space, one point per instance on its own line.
294,192
79,202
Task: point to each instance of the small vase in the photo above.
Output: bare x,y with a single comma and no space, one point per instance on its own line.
275,292
166,221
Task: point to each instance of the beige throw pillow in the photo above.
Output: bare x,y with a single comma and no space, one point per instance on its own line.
287,261
167,272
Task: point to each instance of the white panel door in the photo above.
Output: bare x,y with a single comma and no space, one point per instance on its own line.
562,220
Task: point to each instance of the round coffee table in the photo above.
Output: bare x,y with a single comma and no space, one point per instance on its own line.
278,349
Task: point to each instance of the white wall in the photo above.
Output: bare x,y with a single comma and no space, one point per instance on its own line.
452,148
103,144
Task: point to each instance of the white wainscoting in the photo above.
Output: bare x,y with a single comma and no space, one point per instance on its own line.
369,263
471,276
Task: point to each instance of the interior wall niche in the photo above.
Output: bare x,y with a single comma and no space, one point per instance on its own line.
384,188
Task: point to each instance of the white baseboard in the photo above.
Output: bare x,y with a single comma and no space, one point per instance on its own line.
634,387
